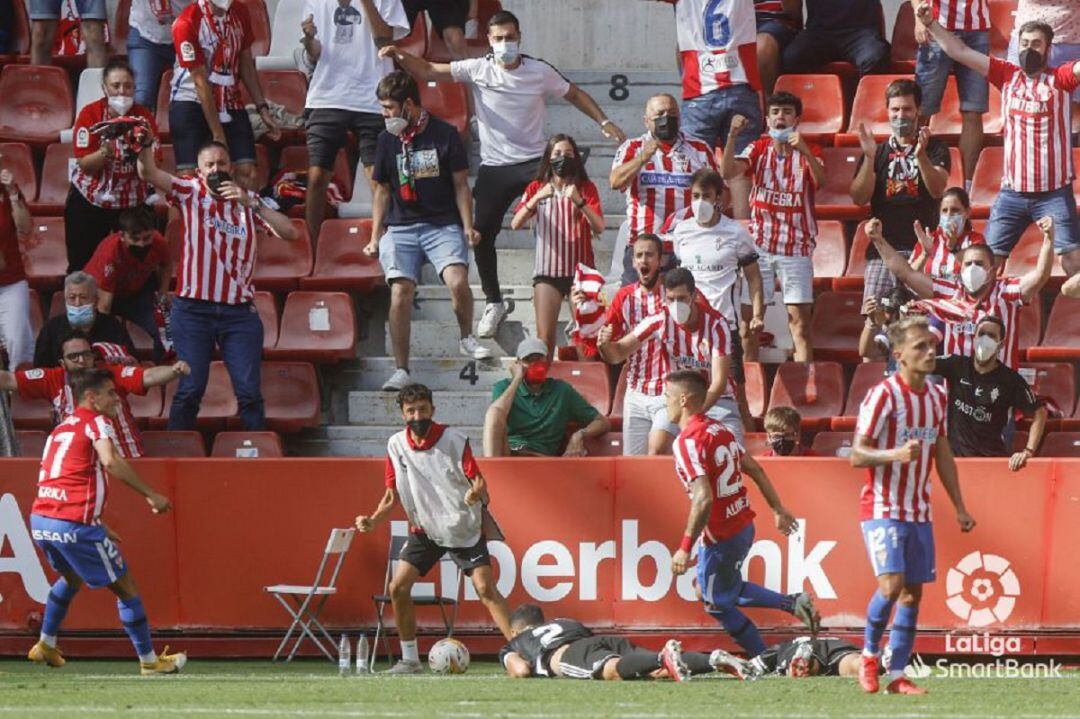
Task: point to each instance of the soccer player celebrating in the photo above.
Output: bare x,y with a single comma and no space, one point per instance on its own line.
567,648
431,467
66,523
709,462
901,431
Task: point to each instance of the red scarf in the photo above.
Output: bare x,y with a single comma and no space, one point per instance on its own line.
407,185
218,26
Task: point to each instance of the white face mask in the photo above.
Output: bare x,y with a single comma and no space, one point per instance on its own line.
985,348
680,311
703,210
396,125
120,104
973,277
506,52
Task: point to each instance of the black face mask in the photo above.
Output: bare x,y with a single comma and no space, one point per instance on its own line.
419,427
666,128
1031,61
215,179
783,446
139,251
563,165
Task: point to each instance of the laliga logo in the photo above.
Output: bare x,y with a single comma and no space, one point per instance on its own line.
982,589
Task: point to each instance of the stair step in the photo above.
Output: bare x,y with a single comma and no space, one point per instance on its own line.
445,374
439,338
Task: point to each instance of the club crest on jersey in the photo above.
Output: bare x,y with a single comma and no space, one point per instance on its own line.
35,373
82,138
187,51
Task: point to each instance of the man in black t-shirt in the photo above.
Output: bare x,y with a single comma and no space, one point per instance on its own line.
983,394
424,204
567,648
903,179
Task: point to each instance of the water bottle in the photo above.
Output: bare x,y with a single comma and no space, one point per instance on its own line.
362,655
344,658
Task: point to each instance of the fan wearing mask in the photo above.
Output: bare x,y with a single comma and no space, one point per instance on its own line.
782,428
938,252
105,181
133,268
80,313
565,207
1038,171
979,292
984,394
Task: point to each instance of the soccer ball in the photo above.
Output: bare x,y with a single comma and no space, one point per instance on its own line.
448,656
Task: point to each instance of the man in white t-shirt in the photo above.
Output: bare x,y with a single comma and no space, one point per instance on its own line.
510,91
342,40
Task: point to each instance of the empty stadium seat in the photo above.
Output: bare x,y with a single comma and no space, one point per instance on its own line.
268,313
218,403
340,263
823,104
832,444
284,36
1061,444
247,445
448,102
303,338
31,442
756,388
45,254
836,326
867,375
1002,19
38,104
1054,381
590,379
606,445
260,26
1061,341
20,162
1025,254
89,89
856,264
904,47
833,199
815,389
31,413
279,263
869,108
830,253
166,443
437,51
756,444
147,406
291,396
55,180
947,123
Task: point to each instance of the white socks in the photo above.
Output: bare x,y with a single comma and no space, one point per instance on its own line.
409,652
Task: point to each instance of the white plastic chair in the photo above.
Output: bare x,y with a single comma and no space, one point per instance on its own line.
89,90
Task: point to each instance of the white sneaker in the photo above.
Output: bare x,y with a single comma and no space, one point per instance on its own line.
399,379
494,314
471,348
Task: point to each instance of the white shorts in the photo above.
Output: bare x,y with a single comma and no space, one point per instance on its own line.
638,412
796,278
726,411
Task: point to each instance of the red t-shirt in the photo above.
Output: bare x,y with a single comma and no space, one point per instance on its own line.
117,270
11,263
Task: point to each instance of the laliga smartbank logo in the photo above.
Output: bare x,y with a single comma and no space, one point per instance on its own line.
982,589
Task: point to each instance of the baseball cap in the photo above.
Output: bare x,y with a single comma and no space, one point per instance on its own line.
531,346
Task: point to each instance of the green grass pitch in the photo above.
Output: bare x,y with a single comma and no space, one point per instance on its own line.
313,689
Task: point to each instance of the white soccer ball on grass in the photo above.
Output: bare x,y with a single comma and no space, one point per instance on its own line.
449,656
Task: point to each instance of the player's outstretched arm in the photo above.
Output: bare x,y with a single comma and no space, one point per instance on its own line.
953,46
367,523
118,467
701,500
946,469
516,666
863,455
155,376
785,520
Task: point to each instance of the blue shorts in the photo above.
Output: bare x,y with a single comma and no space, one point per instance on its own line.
82,549
187,123
779,31
719,569
932,70
897,547
708,117
1013,211
404,249
50,9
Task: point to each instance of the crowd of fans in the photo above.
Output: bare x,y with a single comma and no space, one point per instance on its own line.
695,281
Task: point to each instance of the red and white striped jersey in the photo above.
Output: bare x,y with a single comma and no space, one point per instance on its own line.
687,349
203,39
944,263
52,384
706,448
962,15
563,234
72,484
663,184
782,218
960,315
632,304
891,414
590,315
116,185
717,43
1036,111
714,255
217,257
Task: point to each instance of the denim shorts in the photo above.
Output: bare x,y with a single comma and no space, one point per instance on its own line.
190,132
708,117
779,31
50,9
932,70
405,248
1013,212
897,547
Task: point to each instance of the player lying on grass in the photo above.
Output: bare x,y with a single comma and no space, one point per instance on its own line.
65,520
809,657
431,468
566,648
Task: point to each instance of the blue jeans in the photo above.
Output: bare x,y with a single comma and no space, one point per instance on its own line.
197,326
932,70
810,49
149,60
708,117
139,309
1014,211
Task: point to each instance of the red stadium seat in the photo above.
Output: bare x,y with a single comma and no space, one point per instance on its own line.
147,406
904,47
218,403
119,28
830,254
31,413
1002,19
756,388
415,43
168,159
300,341
161,113
869,108
946,124
836,326
291,395
1062,339
247,445
832,444
1061,444
38,104
37,319
45,254
260,26
867,374
448,102
165,443
55,180
590,379
268,313
144,343
823,104
1030,325
1025,254
295,158
340,263
31,442
437,51
279,264
756,443
1054,381
815,389
18,159
986,182
833,199
856,264
606,445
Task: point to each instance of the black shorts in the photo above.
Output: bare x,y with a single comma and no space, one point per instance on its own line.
562,284
738,372
424,554
443,13
327,130
190,132
585,658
